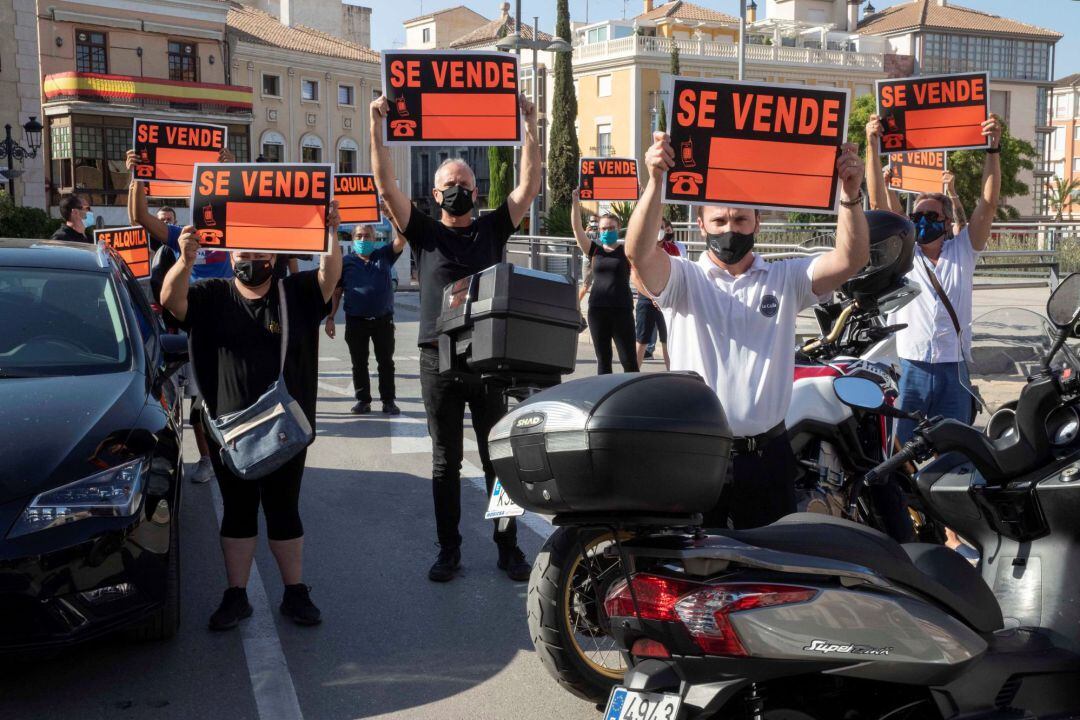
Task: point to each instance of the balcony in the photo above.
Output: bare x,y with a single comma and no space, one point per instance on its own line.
645,46
147,93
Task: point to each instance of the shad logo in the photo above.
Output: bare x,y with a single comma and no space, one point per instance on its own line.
769,306
526,422
827,648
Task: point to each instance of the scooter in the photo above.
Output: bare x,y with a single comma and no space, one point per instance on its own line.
816,617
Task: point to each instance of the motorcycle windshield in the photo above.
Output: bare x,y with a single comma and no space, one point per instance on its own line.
1008,345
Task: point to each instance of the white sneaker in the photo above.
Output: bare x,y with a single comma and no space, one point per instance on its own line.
204,471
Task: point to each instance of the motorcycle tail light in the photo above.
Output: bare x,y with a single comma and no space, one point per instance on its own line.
646,648
655,595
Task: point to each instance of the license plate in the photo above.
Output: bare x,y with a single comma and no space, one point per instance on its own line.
500,505
634,705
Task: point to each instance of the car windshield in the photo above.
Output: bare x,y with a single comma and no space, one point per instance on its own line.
59,322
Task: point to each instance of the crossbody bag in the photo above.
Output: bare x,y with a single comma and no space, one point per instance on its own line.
262,437
976,401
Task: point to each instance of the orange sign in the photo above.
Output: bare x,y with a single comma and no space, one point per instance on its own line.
357,198
917,172
608,179
168,152
757,145
263,207
440,97
133,246
934,112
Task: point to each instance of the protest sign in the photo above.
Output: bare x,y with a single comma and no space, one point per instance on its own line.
757,145
933,112
263,207
608,179
168,151
440,97
917,172
132,244
357,198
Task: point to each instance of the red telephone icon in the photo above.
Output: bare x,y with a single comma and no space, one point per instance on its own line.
894,141
686,183
585,194
211,237
144,171
403,128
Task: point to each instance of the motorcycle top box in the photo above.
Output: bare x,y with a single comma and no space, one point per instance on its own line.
627,443
508,320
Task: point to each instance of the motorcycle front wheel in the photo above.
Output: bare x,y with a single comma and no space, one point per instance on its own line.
567,623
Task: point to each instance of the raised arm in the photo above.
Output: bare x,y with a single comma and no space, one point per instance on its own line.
528,187
174,289
330,265
138,211
895,205
396,201
852,250
583,240
985,210
652,264
875,181
959,214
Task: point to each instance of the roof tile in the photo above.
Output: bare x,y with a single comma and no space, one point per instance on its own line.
927,14
262,28
681,10
487,34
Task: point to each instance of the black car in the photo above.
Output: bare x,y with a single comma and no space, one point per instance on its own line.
90,450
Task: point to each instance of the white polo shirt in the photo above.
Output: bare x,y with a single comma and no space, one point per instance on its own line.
738,333
930,335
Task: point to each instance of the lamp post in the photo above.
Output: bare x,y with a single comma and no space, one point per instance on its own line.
516,41
12,150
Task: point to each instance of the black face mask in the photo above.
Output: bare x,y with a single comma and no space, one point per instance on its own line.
730,247
253,273
457,200
669,237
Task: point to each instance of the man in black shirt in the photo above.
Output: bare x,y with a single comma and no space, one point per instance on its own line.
236,333
73,213
453,247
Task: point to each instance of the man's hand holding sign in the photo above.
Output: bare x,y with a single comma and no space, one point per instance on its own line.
166,153
939,112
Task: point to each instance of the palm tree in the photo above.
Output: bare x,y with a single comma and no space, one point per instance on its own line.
1061,194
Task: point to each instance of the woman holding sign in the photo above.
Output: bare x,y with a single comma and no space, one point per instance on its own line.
238,330
611,304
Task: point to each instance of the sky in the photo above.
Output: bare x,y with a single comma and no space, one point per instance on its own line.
387,15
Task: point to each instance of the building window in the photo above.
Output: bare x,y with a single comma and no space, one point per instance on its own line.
90,159
603,86
1076,165
1005,58
526,86
1061,106
273,152
91,52
310,149
427,35
603,140
183,62
595,35
309,90
1076,132
345,95
271,85
346,160
238,146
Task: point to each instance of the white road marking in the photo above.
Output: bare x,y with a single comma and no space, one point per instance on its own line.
271,682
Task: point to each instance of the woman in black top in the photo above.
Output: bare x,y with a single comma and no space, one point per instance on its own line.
611,305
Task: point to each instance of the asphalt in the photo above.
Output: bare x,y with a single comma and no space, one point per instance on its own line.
393,644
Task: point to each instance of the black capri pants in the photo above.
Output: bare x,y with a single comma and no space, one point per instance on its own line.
278,493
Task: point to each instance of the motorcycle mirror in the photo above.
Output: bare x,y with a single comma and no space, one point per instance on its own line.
1063,307
859,393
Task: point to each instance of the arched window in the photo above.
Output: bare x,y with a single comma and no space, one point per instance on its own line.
311,148
347,152
272,146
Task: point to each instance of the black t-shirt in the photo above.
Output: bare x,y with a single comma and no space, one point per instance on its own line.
445,254
70,234
237,342
611,278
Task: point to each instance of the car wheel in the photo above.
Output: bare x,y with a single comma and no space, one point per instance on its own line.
164,622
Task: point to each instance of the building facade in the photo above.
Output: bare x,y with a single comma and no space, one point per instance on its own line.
1065,140
438,29
104,63
20,86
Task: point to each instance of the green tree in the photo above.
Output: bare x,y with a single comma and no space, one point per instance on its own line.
1061,194
966,165
564,152
861,110
17,221
500,171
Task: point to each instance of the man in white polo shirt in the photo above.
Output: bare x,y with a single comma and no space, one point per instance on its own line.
936,343
731,318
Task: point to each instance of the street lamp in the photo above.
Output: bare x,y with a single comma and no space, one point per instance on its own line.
14,151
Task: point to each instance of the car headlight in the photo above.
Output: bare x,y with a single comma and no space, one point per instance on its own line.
117,492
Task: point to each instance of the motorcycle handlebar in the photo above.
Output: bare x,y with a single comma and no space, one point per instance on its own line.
907,454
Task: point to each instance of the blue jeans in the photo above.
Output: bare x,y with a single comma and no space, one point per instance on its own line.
933,389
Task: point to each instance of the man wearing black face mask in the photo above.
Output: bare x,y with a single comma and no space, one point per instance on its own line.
936,344
236,334
731,318
448,249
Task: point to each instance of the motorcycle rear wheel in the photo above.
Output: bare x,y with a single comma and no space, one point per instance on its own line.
567,622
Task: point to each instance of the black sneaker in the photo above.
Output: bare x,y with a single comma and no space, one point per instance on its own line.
512,560
361,408
296,604
446,565
390,408
234,608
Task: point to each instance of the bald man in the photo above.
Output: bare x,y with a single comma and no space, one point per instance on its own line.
448,249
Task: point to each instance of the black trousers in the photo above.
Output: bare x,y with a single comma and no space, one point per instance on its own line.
609,324
278,493
760,487
380,332
445,400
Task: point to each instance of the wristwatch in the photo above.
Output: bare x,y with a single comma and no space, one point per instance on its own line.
857,200
993,150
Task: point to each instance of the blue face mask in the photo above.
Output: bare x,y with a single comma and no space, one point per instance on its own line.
363,247
927,230
609,237
89,220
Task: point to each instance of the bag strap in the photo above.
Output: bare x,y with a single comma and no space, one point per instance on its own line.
283,316
941,294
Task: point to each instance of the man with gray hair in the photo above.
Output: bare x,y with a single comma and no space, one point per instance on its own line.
448,249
